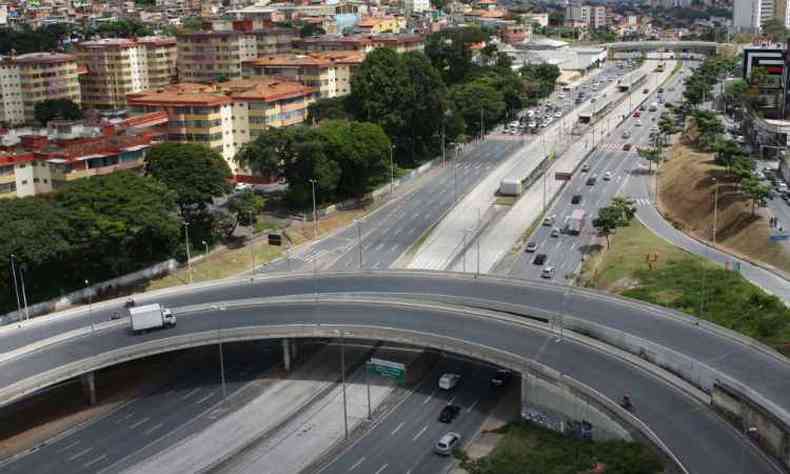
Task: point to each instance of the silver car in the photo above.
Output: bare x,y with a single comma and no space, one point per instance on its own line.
446,444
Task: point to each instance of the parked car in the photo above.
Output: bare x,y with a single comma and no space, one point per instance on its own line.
607,176
555,232
501,378
531,247
591,180
626,134
549,220
539,259
449,413
447,443
576,199
585,168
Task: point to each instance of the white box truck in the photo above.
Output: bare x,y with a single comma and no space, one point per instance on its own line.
150,316
511,187
575,222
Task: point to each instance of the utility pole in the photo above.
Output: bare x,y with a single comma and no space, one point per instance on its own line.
359,240
343,378
392,170
315,212
482,128
16,288
252,246
90,306
189,259
24,293
715,208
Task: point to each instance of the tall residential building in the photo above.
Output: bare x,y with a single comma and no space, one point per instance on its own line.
119,66
365,43
211,55
587,15
28,79
416,6
328,72
224,116
751,15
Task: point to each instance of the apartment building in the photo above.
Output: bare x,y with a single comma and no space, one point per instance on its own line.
751,15
28,79
585,15
373,25
43,160
328,72
224,116
416,6
208,56
364,43
119,66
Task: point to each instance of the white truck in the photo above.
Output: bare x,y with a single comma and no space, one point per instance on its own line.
150,316
511,187
575,222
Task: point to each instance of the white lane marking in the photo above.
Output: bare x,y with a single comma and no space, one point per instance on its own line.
69,446
397,428
153,428
94,461
80,454
205,398
144,420
451,401
382,469
420,433
469,410
429,398
356,464
191,392
128,415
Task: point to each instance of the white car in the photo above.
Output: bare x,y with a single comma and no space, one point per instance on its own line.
558,114
446,444
449,381
243,186
607,176
638,123
547,273
533,125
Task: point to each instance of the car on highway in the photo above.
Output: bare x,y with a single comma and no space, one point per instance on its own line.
549,220
539,259
607,176
531,247
555,232
576,199
642,108
645,91
448,381
585,168
591,180
626,134
447,443
557,114
501,378
637,123
547,273
449,413
637,114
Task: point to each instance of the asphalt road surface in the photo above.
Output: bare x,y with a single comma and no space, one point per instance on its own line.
700,438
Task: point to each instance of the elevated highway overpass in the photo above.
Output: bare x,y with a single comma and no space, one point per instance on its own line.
698,47
509,322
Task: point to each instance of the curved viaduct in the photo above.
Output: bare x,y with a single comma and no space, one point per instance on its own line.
509,322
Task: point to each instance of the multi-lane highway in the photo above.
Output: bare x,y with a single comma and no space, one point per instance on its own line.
697,436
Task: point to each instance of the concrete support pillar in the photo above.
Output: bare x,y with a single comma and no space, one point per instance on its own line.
89,386
294,350
287,354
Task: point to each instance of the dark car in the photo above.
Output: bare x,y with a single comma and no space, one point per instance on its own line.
502,378
576,199
591,180
627,147
539,259
449,413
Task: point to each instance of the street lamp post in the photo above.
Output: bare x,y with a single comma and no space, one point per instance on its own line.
205,244
359,240
315,236
343,380
392,170
90,305
315,212
16,288
715,208
189,259
252,247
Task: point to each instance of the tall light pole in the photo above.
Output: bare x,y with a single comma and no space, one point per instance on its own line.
715,208
90,305
16,288
392,170
252,247
205,244
24,293
189,259
343,380
315,212
358,222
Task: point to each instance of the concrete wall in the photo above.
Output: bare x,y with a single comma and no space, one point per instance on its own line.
57,304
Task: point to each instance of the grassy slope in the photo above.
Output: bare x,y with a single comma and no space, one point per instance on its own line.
689,283
687,199
529,449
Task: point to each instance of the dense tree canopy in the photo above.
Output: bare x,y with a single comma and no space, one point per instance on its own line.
450,53
194,172
52,109
25,39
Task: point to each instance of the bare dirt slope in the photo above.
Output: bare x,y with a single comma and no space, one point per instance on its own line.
686,199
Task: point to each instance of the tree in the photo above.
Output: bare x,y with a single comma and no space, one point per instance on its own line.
727,151
666,125
305,160
756,190
311,29
478,100
51,109
118,223
245,208
450,53
543,78
361,151
607,221
195,173
123,29
427,98
266,155
775,29
334,108
652,155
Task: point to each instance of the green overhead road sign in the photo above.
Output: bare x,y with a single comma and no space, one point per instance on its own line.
386,368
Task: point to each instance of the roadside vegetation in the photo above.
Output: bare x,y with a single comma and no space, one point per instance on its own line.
643,266
524,448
